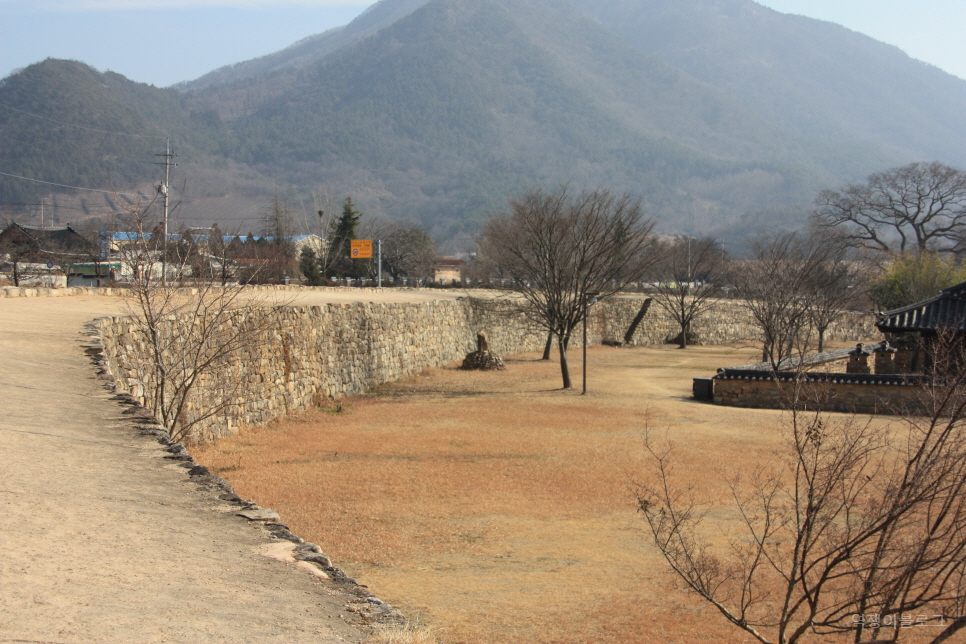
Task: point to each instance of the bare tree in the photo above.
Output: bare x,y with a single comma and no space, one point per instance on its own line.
560,250
688,277
856,532
20,252
408,251
30,250
277,253
223,252
326,206
188,333
837,287
777,287
918,207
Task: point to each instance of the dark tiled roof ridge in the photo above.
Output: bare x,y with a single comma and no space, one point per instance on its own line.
911,307
808,361
898,380
947,310
52,229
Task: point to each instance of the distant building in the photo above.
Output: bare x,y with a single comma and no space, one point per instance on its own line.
33,256
42,245
449,269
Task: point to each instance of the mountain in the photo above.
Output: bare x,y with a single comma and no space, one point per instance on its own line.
470,101
310,50
727,117
814,78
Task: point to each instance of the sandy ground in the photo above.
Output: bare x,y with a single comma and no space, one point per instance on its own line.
101,539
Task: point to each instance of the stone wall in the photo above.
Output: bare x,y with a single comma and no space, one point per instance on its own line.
23,291
767,392
301,356
298,357
727,323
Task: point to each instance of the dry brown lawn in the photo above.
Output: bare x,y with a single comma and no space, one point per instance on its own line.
495,507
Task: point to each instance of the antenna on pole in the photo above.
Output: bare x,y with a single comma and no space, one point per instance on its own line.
163,190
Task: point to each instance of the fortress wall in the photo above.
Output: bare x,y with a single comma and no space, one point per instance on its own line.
302,356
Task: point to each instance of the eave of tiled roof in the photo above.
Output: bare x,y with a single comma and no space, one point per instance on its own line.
944,311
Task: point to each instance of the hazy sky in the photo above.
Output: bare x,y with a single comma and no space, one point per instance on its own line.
165,41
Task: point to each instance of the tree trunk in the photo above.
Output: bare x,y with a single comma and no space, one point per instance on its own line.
547,347
564,366
683,344
821,340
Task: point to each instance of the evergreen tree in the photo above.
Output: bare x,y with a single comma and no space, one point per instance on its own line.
309,265
344,231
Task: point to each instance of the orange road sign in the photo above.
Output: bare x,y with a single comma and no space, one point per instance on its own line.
360,249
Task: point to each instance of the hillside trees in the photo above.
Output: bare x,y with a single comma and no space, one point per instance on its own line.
916,208
562,249
688,276
913,278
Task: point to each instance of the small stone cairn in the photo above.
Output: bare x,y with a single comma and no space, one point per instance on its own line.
482,359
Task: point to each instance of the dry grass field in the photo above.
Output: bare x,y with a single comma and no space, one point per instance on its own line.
495,507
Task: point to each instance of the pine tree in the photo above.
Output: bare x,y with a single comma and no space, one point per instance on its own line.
344,231
309,265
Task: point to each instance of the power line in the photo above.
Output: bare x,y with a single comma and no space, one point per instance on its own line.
61,185
81,127
51,206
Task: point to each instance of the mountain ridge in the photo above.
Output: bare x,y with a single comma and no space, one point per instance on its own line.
724,114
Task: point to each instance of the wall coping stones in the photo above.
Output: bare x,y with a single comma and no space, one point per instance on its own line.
817,377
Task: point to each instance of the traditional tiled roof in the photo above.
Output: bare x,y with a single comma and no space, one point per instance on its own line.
54,241
944,311
894,380
794,363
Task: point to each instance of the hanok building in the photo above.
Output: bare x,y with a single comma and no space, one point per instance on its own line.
916,329
884,377
33,255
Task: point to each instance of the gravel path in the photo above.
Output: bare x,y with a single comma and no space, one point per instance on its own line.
104,540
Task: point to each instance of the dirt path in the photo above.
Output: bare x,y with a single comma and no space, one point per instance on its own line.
101,539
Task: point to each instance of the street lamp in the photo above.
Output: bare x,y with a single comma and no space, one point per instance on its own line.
589,298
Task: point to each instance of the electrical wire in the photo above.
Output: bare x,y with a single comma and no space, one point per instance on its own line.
61,185
89,129
49,206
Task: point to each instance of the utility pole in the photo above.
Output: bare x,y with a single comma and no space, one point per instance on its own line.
163,190
589,298
380,264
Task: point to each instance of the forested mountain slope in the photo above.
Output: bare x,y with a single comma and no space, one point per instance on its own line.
726,116
814,78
